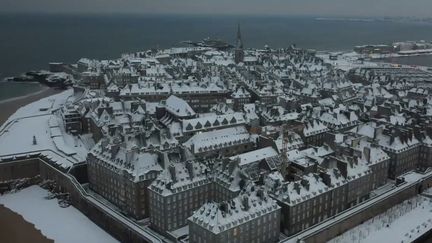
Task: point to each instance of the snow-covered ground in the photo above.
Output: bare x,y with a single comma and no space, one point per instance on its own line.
43,106
402,223
63,225
36,119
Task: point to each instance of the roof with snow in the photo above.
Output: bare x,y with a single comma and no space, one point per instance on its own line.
181,176
219,217
179,107
212,122
255,156
218,139
117,158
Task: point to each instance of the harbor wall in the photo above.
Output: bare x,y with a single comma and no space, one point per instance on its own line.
31,167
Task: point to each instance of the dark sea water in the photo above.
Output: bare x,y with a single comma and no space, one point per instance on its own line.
10,90
412,60
29,42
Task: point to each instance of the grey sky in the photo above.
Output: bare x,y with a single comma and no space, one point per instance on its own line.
419,8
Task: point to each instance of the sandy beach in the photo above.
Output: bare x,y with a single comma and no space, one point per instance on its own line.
15,229
8,107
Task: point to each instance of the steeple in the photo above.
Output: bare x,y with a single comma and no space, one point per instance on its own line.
239,38
239,53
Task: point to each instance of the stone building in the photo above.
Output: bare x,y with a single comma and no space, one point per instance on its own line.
358,176
314,133
402,147
222,142
425,157
178,191
251,217
339,119
310,200
201,96
122,176
323,185
376,159
240,97
72,120
183,187
211,122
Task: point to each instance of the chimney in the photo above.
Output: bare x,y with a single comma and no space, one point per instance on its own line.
392,136
366,153
168,185
260,193
245,202
326,178
129,156
114,150
305,183
104,144
189,167
233,164
172,171
163,159
343,167
223,207
297,187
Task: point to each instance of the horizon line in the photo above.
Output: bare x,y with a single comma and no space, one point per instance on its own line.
144,14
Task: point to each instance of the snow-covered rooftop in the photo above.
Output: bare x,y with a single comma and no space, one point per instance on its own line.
219,217
217,139
255,156
180,177
179,107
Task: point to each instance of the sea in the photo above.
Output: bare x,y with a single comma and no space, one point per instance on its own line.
31,41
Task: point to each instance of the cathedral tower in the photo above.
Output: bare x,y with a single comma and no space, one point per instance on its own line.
239,53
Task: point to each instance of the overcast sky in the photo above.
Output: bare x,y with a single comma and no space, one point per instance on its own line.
419,8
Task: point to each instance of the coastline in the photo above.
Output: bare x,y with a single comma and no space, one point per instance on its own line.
10,106
24,96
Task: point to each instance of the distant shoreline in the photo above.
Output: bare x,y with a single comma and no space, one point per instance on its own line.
11,90
24,96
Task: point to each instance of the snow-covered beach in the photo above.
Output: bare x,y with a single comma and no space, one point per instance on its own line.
10,106
60,224
14,228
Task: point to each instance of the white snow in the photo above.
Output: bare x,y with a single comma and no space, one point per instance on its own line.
411,178
16,135
402,223
38,107
179,107
255,156
211,217
63,225
212,121
218,139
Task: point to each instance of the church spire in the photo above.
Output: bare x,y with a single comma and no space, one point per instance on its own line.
239,54
239,38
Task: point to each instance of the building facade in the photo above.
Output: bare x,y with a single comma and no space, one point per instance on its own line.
251,217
